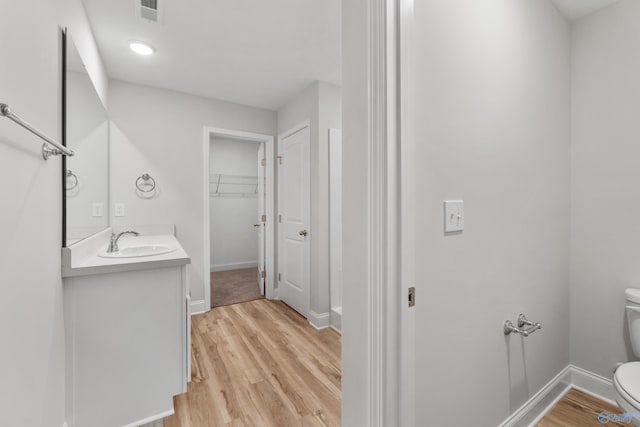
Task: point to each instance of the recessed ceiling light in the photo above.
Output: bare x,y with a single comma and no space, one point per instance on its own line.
142,48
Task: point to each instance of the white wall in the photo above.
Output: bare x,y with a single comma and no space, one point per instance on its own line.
31,320
335,218
330,98
234,240
605,179
32,390
321,103
74,17
492,128
161,132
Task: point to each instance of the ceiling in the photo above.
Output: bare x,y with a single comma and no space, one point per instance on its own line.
252,52
576,9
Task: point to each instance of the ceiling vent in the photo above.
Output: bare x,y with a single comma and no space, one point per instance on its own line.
149,10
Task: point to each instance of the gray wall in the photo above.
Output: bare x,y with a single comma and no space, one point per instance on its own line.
74,18
148,136
355,292
32,390
31,320
492,128
605,184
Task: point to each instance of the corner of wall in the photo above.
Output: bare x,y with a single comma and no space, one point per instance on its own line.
74,17
319,320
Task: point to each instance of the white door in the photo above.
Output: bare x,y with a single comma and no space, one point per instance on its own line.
261,215
294,205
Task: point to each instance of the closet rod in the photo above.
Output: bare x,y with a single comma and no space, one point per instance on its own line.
5,110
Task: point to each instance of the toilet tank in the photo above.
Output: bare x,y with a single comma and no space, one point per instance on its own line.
632,296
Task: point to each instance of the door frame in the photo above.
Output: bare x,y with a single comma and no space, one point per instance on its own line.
407,190
269,141
297,128
262,240
391,220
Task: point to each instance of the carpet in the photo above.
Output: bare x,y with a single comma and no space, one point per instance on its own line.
234,286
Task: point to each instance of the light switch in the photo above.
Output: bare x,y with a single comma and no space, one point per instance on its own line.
97,210
453,216
119,209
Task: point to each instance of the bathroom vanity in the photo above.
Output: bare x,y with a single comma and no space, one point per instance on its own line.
127,326
126,300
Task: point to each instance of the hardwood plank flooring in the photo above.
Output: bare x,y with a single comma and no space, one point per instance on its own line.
579,409
260,363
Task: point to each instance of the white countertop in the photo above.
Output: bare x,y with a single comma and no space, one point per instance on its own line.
82,259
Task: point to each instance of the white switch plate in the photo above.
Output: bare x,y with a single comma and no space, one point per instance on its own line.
119,209
97,210
453,216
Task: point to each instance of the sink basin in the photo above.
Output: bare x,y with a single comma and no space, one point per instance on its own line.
138,251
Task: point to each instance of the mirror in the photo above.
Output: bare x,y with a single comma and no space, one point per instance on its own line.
86,131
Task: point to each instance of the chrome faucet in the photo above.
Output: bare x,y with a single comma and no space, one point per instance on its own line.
113,244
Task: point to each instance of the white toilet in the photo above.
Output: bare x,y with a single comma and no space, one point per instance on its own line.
626,380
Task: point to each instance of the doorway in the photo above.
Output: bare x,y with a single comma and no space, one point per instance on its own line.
239,200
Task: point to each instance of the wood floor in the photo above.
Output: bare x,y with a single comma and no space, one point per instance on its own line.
579,409
260,364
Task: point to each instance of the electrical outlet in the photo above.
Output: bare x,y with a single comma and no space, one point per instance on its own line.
97,210
119,209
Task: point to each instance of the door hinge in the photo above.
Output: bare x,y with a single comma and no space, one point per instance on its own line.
264,162
279,277
412,296
264,274
280,159
280,218
264,218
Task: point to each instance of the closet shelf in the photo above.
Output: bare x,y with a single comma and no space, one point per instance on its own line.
228,185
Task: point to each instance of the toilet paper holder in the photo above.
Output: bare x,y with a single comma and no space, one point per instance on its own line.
522,322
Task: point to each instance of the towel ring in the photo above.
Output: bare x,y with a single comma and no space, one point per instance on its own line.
71,176
146,183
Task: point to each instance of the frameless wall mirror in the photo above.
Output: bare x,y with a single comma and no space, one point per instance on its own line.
86,131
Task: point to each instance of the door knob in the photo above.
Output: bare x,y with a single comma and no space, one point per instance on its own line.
257,225
303,233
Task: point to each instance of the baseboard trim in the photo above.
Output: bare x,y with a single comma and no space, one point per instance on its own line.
543,413
593,384
541,403
319,320
336,319
199,307
149,420
233,266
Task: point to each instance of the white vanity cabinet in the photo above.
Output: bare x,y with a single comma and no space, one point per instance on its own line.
128,342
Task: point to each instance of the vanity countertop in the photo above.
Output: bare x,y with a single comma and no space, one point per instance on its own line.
83,259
